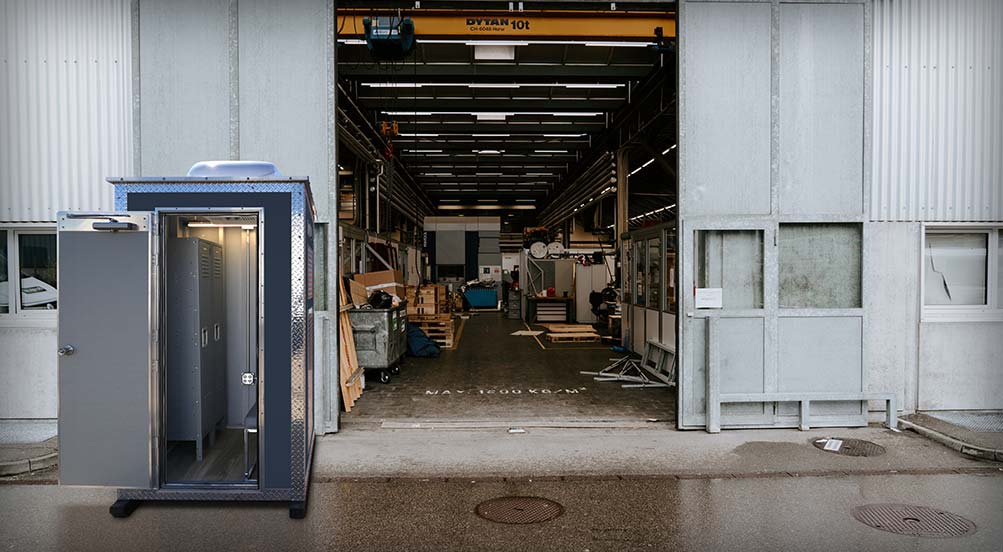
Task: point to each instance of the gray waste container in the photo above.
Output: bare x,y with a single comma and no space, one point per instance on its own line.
380,338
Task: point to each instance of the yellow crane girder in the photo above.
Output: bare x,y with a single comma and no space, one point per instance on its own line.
537,24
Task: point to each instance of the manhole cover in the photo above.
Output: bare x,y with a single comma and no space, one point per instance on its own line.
849,447
916,521
519,509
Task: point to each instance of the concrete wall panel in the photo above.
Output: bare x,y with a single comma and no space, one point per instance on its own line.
725,135
184,84
961,365
821,109
29,373
283,89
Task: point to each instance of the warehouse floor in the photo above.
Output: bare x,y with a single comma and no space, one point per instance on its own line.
493,377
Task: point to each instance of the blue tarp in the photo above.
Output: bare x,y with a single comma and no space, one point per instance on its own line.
419,344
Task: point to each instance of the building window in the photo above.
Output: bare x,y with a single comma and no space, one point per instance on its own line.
732,261
963,271
27,272
820,266
639,273
654,273
956,268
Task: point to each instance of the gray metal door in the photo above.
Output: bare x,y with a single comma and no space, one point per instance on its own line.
728,318
107,349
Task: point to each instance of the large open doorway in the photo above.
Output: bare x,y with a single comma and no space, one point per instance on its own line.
457,161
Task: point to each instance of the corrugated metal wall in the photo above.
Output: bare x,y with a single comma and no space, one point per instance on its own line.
938,110
65,105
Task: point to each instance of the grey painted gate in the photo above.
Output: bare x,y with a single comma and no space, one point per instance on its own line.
773,172
107,327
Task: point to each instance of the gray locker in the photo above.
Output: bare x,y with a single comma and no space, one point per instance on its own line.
195,341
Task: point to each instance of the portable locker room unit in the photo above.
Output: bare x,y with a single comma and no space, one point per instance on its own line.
159,360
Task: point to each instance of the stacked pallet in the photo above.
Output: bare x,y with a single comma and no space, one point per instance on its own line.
350,373
427,300
571,333
438,327
422,300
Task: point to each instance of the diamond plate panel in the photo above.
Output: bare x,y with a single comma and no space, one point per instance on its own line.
979,422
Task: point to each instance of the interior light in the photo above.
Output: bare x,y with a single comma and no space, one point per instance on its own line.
563,135
425,150
490,135
418,135
220,225
493,85
488,152
487,207
551,151
437,174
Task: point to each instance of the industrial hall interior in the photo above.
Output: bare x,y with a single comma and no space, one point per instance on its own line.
483,197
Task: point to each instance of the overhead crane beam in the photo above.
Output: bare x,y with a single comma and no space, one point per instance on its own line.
497,25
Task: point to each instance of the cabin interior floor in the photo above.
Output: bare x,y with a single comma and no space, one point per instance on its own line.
492,377
222,460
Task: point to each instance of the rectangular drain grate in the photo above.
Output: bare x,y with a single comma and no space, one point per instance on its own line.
979,422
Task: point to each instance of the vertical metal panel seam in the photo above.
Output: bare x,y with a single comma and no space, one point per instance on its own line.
137,135
233,43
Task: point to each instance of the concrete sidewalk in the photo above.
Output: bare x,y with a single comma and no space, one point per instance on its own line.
624,452
981,444
27,446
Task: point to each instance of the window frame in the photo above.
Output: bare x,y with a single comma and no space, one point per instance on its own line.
992,311
16,316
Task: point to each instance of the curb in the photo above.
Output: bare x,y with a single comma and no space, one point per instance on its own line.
19,467
967,449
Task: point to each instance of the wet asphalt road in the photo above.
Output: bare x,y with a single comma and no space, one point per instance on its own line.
749,513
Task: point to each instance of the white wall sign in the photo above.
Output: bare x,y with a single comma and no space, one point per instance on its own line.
709,298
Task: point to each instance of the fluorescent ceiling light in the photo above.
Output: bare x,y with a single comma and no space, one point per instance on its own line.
491,135
563,135
670,148
551,151
495,115
539,174
488,152
489,174
220,225
425,150
570,85
487,207
525,200
418,135
437,174
492,85
490,116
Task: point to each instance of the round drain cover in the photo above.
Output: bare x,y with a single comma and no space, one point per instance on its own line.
849,447
916,521
519,509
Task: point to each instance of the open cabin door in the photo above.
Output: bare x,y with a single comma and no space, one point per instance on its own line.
107,349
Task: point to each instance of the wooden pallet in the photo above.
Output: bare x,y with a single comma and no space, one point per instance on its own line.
350,373
439,328
569,328
573,337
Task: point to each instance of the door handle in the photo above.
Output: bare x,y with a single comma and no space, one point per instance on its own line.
66,350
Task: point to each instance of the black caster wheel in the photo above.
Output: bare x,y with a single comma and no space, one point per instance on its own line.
123,508
395,370
297,510
384,376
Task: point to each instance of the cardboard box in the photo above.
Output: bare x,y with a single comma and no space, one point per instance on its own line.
390,281
358,292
